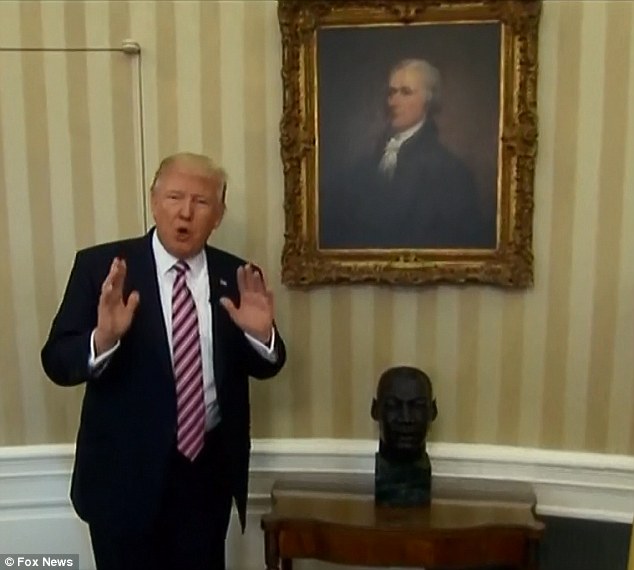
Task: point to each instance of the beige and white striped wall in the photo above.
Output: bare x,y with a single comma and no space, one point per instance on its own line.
82,129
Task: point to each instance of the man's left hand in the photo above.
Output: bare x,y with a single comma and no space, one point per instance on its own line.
255,314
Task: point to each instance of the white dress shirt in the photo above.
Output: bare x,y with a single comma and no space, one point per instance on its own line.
197,279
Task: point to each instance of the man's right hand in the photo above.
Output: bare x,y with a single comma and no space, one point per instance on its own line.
114,314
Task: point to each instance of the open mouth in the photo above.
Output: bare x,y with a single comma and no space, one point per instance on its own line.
182,233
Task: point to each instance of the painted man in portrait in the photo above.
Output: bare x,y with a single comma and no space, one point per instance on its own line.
411,192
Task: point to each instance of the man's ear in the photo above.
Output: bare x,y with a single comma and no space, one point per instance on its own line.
153,200
434,410
374,410
223,205
220,217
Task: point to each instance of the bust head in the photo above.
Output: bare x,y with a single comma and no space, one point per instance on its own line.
404,407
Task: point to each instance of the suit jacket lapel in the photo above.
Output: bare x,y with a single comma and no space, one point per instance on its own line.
218,286
142,277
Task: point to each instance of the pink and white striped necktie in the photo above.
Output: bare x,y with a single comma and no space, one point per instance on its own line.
188,368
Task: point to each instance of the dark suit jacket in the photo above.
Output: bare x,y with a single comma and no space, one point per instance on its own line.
431,201
128,417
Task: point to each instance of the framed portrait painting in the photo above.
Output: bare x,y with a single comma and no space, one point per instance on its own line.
408,138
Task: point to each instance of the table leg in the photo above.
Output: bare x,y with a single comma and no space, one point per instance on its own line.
287,564
271,551
533,555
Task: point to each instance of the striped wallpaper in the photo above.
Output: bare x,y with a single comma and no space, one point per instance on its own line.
81,131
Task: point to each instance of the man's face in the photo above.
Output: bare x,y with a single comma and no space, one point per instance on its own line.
404,413
187,207
406,98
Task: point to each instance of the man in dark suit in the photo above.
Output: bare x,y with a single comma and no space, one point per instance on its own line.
412,192
164,332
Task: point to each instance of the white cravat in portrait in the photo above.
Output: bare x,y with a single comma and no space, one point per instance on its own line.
390,155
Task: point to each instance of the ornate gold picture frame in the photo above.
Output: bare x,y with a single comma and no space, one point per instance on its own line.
408,139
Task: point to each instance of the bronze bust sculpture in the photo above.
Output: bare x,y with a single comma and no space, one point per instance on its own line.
404,407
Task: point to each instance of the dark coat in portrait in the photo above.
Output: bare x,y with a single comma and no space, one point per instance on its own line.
430,201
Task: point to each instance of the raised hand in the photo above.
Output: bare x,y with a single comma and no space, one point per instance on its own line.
114,314
255,315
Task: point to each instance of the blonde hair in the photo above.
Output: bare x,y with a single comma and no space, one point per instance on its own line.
209,169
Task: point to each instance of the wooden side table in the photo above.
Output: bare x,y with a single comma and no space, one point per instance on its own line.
469,524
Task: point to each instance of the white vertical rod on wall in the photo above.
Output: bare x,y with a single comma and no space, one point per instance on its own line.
130,47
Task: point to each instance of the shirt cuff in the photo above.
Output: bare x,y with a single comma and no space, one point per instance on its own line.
267,352
96,364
